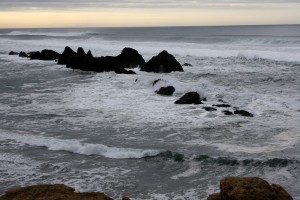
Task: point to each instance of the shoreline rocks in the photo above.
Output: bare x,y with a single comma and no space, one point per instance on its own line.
166,91
189,98
249,188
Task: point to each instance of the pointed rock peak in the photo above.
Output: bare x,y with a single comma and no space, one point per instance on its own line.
89,53
67,48
164,53
80,50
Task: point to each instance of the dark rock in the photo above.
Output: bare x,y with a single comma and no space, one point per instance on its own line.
78,62
120,70
65,56
162,63
222,105
209,109
12,53
51,192
106,64
48,55
130,58
204,99
22,54
156,81
251,188
125,198
243,113
189,98
167,91
187,65
35,55
227,112
216,196
89,63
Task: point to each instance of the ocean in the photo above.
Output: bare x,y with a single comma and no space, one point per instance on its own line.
112,133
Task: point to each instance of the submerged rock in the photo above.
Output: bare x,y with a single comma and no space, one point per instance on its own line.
162,63
227,112
187,65
249,188
167,91
130,58
222,105
51,192
156,81
189,98
209,109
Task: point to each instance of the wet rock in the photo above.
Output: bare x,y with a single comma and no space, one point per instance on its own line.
130,58
12,53
216,196
222,105
65,56
35,55
227,112
106,64
162,63
125,198
187,65
250,188
209,109
243,113
48,55
78,60
189,98
89,63
51,192
166,91
22,54
156,81
120,70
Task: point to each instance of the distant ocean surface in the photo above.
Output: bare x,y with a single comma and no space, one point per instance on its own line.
112,133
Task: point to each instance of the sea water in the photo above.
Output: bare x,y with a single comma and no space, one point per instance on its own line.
112,133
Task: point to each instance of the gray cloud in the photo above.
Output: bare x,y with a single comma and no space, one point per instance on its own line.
86,4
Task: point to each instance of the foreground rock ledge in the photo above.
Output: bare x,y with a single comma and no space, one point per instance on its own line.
51,192
249,188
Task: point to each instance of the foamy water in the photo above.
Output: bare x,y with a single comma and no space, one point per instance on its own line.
113,133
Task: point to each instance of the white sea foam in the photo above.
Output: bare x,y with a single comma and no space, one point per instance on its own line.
76,146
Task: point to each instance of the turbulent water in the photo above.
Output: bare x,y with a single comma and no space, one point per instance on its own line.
113,133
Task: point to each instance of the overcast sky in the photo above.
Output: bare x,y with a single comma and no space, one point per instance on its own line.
59,13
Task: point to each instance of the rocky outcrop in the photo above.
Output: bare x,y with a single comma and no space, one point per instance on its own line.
166,91
249,188
120,70
13,53
22,54
65,56
189,98
44,55
51,192
162,63
130,58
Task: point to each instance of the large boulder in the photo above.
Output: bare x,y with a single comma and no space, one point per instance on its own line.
166,91
130,58
49,55
249,188
22,54
51,192
35,55
189,98
162,63
65,56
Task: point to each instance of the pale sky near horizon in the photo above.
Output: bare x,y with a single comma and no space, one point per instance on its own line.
120,13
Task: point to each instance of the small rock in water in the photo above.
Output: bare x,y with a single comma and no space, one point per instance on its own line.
156,81
12,53
187,65
209,109
189,98
120,70
22,54
227,112
243,113
167,91
222,105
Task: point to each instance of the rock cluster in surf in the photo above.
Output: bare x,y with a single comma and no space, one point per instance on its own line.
123,63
